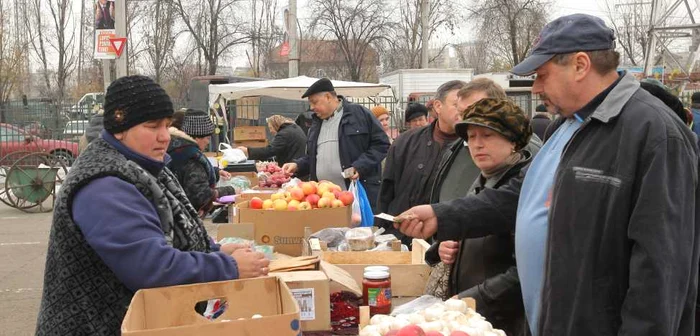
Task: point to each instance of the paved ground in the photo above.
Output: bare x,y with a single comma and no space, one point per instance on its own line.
23,244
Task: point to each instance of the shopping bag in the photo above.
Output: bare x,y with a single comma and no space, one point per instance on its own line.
361,205
230,154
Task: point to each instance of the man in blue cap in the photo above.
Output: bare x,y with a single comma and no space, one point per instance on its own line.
606,217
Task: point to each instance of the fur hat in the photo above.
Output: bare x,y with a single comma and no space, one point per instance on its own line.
132,100
502,116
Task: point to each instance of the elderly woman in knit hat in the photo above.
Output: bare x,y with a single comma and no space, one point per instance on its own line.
382,114
193,170
483,268
121,222
288,144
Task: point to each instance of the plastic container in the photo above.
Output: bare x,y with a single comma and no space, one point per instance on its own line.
376,292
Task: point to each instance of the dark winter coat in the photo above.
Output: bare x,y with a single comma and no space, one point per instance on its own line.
194,171
539,124
119,225
409,173
622,253
363,145
288,145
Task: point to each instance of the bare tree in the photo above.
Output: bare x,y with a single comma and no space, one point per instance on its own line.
53,38
12,56
159,35
214,26
510,26
264,36
405,45
136,45
630,21
475,55
358,26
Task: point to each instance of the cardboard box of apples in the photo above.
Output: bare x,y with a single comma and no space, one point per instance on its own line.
305,196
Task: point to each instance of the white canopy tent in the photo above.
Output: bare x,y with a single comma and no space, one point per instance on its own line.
289,88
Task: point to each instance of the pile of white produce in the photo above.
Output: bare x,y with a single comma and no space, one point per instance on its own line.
449,318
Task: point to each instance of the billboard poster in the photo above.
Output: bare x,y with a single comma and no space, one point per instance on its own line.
104,29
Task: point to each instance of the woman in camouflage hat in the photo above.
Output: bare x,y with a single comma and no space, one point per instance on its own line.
497,133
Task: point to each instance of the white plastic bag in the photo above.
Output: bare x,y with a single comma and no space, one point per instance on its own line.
356,218
230,154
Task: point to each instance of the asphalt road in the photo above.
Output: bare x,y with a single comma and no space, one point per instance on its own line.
23,244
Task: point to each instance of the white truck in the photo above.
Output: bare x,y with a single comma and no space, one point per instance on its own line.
420,84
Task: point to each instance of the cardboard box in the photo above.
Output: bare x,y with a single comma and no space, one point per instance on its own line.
170,310
311,290
244,133
409,272
284,229
262,193
250,143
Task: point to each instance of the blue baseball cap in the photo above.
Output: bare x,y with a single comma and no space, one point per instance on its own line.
567,34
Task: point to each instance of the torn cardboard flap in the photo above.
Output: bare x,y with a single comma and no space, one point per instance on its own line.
340,279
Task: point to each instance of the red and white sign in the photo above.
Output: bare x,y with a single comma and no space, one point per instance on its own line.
284,50
118,44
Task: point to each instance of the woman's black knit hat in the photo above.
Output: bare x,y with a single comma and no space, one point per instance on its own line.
132,100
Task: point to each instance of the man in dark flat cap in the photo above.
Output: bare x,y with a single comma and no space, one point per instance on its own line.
342,136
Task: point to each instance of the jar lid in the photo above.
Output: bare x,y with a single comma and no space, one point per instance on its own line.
376,269
376,275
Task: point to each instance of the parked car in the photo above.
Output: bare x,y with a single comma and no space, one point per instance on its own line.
14,139
75,129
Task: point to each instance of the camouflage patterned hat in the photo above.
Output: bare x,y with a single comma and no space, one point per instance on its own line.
502,116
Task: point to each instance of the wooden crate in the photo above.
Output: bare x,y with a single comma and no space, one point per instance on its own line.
245,133
409,272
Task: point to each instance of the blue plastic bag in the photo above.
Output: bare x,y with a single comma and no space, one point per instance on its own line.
363,201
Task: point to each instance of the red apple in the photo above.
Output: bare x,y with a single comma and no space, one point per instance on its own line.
297,193
336,193
392,333
308,188
346,197
434,333
411,330
256,203
313,199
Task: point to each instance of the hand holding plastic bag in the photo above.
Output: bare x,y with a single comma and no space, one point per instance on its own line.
230,154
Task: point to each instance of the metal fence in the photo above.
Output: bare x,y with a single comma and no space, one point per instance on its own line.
40,126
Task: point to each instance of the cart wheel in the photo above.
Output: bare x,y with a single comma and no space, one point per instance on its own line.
32,180
6,162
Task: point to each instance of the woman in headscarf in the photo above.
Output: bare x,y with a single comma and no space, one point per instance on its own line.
288,144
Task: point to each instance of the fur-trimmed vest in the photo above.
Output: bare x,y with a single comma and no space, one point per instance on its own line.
81,295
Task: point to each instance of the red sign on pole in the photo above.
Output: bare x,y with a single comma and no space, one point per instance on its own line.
118,44
284,50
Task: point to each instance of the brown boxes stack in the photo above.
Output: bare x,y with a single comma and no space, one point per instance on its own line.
249,136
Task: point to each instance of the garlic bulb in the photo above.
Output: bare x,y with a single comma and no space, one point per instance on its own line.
399,322
379,318
416,318
432,314
456,305
370,330
431,326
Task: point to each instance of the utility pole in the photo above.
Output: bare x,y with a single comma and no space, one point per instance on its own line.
424,9
81,26
293,43
120,25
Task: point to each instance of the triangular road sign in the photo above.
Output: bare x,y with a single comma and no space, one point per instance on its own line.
118,44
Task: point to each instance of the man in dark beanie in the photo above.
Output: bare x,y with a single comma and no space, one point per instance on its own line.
196,174
540,121
121,222
416,116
